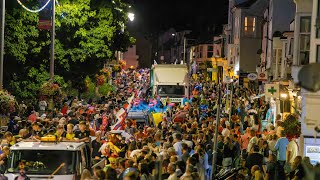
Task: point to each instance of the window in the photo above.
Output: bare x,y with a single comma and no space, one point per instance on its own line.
210,51
318,54
249,26
201,52
318,21
304,39
43,162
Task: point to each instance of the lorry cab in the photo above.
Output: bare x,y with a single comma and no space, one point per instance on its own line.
170,81
49,160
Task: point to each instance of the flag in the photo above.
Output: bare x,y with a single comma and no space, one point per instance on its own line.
121,115
45,16
272,90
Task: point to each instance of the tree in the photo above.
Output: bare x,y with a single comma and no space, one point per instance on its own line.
87,33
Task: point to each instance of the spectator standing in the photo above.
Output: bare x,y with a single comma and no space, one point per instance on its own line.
281,147
292,151
228,149
254,158
253,140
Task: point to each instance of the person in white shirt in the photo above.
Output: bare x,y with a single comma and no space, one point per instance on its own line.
172,171
292,151
177,145
253,141
42,106
225,132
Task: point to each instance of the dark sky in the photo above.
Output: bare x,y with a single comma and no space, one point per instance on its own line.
159,15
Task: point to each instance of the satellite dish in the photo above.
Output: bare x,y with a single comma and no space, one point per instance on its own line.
309,77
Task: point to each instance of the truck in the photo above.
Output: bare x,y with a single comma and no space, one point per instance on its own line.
170,81
49,160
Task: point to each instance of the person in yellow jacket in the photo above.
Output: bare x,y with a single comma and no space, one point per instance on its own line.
70,134
9,139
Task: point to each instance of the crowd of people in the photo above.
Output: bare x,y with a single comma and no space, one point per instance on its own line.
176,148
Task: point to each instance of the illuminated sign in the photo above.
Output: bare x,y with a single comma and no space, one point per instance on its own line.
313,152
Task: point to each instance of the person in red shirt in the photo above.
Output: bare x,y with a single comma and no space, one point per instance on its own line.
32,117
64,109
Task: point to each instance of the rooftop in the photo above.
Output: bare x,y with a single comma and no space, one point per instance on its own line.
69,146
246,4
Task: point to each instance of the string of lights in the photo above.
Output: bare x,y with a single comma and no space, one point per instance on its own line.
33,11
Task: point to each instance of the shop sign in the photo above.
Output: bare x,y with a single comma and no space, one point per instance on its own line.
262,76
252,76
313,152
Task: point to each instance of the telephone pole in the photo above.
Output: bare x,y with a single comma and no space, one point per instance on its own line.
52,40
3,8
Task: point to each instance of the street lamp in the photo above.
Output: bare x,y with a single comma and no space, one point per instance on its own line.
2,42
131,16
283,95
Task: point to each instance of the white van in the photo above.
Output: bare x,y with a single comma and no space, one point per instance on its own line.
42,159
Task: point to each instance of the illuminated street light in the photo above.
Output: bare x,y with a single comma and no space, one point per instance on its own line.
131,16
283,95
173,34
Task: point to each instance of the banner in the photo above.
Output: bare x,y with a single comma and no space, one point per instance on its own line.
45,15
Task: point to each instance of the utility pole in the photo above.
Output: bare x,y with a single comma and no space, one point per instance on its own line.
52,40
215,149
231,98
184,49
3,8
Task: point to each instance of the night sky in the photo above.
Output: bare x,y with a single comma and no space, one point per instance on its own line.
154,16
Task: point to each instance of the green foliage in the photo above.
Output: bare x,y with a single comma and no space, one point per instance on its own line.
292,126
7,102
105,89
27,87
86,37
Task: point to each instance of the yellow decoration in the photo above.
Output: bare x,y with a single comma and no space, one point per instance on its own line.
157,117
49,138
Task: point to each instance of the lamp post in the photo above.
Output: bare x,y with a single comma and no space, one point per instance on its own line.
215,148
52,41
3,7
231,98
283,96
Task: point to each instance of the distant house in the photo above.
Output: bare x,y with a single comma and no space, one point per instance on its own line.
244,34
131,57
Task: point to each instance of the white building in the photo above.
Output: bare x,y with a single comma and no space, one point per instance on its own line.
277,18
306,51
244,34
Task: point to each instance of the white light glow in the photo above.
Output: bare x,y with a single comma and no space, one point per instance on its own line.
131,16
283,95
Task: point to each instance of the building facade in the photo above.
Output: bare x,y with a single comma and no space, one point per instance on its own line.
277,18
131,57
306,51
